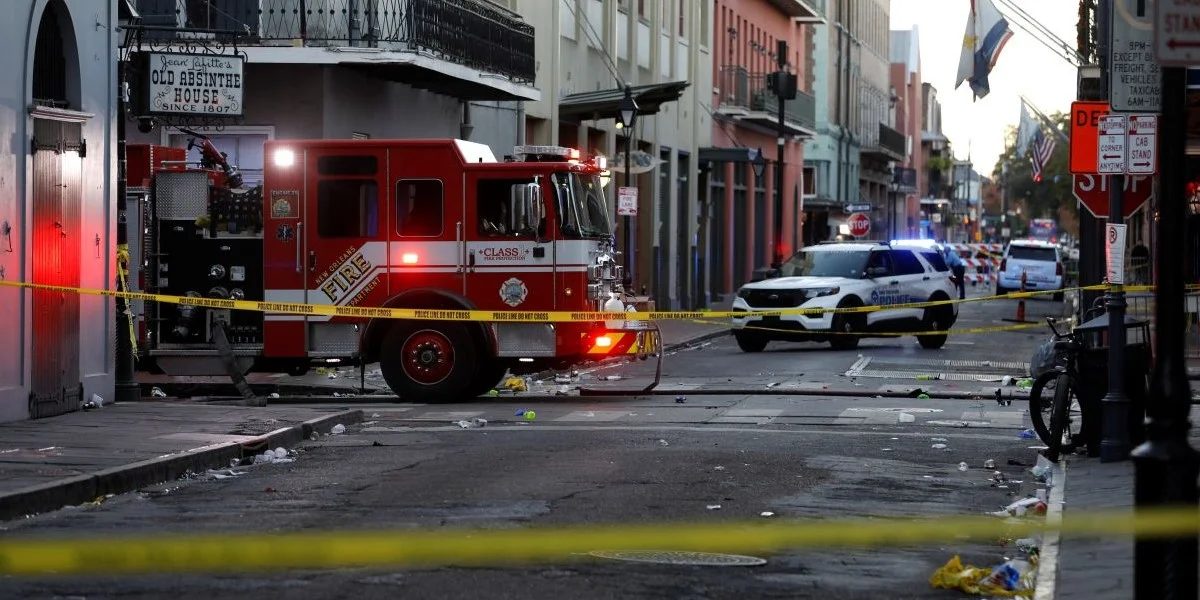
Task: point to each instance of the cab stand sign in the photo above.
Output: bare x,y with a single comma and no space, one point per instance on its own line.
198,85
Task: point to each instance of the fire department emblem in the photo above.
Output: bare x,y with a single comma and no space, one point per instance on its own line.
513,291
283,204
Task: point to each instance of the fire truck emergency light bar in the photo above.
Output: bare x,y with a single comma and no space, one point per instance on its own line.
555,153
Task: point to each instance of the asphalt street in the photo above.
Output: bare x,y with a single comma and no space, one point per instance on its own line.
621,459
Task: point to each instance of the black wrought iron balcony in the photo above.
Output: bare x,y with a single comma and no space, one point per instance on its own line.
891,145
733,82
472,33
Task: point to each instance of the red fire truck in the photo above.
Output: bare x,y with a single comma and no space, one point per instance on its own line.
423,224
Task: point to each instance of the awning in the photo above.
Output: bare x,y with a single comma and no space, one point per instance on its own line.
444,78
126,11
605,104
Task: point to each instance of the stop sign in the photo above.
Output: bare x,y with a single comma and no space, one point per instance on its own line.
1092,192
860,224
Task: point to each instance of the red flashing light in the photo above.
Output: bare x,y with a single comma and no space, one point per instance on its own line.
409,258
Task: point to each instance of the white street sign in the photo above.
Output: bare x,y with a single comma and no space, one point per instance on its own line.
1177,33
1135,82
1142,142
1110,154
1115,253
627,201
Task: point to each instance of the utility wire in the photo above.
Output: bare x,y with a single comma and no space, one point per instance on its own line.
1043,35
581,16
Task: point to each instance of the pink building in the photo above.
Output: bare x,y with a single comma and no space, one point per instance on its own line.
909,119
741,182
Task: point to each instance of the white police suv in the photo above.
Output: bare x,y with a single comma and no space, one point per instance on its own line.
849,275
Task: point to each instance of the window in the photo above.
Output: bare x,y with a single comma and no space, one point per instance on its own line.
419,211
1035,253
879,260
810,182
935,259
496,201
907,263
347,208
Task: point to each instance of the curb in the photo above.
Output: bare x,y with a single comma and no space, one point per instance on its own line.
1046,582
765,391
127,478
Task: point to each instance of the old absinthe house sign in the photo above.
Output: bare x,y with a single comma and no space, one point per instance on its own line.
193,84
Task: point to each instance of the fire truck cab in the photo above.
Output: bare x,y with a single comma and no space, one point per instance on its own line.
436,224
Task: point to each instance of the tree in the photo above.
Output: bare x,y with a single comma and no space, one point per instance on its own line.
1053,196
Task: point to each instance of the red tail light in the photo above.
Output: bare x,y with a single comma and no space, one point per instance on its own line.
1058,270
1004,264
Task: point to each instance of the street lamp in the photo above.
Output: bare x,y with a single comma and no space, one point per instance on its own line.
627,112
760,165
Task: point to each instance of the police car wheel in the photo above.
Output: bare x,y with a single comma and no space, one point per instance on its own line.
842,336
934,321
428,362
749,342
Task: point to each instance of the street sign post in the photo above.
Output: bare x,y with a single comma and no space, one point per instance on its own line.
1092,193
627,201
853,208
1176,38
860,224
1115,253
1142,143
1110,147
1085,117
1135,81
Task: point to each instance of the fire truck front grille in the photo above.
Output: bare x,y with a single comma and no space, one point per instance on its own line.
182,195
525,339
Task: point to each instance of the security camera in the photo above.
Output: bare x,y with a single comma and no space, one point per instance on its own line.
146,125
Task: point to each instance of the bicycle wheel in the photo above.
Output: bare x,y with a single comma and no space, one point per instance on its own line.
1041,401
1060,416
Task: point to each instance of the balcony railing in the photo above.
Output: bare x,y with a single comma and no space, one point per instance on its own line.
892,140
742,92
471,33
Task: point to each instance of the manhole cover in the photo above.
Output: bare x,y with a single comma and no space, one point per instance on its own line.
671,557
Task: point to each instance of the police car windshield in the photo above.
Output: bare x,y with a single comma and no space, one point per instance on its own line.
827,263
582,211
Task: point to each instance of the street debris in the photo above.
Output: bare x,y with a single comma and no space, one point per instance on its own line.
680,399
714,507
1012,578
989,464
1022,507
516,384
472,424
278,455
939,447
337,429
766,513
156,392
663,443
962,466
95,402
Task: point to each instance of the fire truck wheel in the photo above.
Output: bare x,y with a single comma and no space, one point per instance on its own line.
428,361
490,373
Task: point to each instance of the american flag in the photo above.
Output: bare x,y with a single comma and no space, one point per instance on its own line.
1043,149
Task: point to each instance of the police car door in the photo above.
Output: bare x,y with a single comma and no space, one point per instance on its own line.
509,263
885,290
914,282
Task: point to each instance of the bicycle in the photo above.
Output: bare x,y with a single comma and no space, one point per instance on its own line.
1064,380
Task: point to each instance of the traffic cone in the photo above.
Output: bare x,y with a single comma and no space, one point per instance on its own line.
1020,305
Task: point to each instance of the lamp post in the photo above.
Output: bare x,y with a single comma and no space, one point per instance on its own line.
626,118
759,163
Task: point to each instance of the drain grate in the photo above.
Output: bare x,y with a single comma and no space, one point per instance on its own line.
673,557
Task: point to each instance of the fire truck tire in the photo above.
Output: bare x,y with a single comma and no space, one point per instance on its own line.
490,373
431,362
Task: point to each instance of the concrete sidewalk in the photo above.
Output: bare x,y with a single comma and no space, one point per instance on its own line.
1093,569
47,464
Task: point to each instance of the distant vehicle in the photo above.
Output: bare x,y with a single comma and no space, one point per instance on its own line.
1043,230
849,275
1040,262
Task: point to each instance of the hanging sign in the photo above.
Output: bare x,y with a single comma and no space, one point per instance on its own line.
192,84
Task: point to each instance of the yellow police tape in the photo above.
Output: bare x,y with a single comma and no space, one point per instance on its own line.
341,549
296,308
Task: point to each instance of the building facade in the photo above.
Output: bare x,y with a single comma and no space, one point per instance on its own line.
588,51
367,70
850,159
908,176
742,163
57,213
938,159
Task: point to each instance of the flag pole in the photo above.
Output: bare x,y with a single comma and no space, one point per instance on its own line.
1046,120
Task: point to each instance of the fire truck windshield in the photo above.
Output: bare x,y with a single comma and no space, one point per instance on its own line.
582,211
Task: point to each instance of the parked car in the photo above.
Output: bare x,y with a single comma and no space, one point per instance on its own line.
1040,262
849,275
